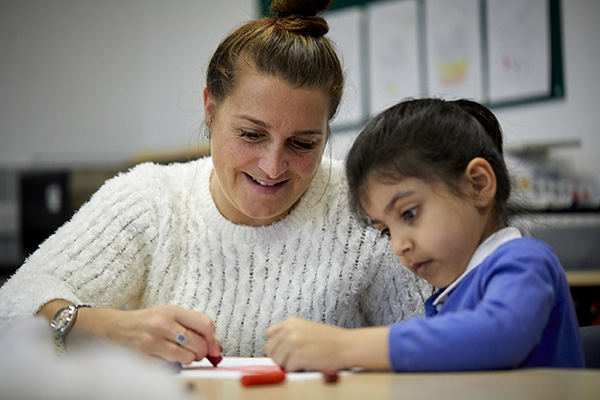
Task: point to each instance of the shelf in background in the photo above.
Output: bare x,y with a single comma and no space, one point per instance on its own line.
583,278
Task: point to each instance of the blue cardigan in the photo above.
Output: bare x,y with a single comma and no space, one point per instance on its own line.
514,310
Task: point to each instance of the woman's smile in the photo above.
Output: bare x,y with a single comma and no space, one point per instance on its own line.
264,186
263,183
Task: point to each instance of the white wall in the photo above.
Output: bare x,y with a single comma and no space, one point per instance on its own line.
577,116
92,80
84,80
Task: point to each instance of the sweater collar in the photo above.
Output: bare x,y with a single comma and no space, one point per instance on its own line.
486,248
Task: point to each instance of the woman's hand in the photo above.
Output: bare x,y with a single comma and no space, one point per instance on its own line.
298,344
152,331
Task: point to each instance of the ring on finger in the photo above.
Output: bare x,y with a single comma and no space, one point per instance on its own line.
181,338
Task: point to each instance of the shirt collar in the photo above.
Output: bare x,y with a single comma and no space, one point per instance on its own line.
482,251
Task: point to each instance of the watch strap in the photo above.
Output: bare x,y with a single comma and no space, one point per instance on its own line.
60,336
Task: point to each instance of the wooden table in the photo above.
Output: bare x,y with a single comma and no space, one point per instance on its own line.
530,384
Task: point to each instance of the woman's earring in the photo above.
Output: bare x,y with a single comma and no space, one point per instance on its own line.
207,131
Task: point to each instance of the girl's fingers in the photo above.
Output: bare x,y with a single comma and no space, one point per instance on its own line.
273,329
276,349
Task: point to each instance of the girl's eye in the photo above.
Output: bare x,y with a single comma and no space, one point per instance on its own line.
382,230
411,214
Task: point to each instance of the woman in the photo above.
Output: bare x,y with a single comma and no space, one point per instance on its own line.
188,260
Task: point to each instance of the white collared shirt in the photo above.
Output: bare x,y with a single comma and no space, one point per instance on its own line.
482,251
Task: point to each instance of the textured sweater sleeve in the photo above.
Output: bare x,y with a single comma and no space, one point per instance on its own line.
98,257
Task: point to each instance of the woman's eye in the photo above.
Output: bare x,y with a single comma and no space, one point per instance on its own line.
249,135
410,214
303,145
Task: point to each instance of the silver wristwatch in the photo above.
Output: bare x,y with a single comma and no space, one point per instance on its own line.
62,323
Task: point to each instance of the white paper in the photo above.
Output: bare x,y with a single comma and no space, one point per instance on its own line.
204,369
393,53
454,61
519,49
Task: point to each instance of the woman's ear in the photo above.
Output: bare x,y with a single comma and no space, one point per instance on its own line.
209,105
482,181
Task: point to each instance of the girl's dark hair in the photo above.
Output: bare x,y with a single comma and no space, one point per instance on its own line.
290,46
429,139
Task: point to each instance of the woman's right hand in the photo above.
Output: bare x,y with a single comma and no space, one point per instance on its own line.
152,331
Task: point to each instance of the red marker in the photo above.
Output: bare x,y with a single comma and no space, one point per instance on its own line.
263,378
214,360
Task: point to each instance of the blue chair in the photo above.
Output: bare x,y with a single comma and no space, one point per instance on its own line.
590,338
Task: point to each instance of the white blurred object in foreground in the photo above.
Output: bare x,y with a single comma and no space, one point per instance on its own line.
31,369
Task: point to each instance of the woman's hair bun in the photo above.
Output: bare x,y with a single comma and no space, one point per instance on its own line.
308,8
300,16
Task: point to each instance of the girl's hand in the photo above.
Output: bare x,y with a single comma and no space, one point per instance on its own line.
298,344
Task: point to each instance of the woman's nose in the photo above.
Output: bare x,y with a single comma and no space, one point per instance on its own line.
273,162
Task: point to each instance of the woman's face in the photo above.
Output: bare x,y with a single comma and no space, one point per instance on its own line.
267,142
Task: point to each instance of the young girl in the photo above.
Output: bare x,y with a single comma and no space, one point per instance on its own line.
430,175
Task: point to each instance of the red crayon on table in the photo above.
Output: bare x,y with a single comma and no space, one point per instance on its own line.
263,378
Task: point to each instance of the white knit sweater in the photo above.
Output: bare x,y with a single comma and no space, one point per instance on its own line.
154,236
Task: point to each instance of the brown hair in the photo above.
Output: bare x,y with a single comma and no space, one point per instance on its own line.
290,46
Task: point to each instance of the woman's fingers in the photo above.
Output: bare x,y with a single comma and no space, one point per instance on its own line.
191,341
203,326
171,352
173,334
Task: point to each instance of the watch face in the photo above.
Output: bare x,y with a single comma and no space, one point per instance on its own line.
62,321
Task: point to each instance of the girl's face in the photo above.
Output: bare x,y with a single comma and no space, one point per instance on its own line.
433,231
267,142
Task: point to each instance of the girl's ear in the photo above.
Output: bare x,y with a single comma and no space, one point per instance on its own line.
482,181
